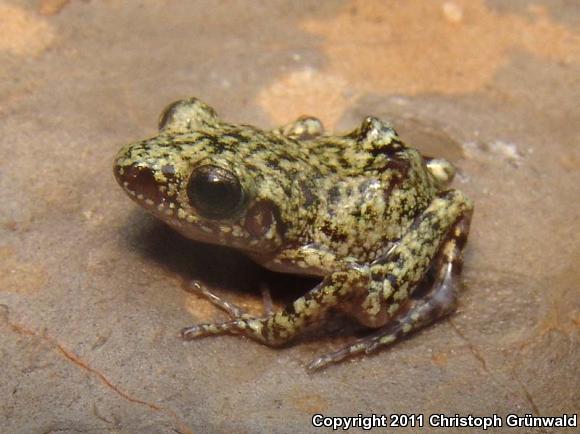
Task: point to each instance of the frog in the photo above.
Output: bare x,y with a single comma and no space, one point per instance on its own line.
369,216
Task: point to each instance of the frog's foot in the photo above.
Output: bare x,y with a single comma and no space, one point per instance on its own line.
440,301
233,310
240,319
303,128
441,169
281,327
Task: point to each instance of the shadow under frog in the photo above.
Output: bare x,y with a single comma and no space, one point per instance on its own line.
363,211
192,260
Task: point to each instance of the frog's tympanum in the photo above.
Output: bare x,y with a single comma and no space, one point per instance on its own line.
365,212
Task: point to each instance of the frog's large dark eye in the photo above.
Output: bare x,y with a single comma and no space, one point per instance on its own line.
214,192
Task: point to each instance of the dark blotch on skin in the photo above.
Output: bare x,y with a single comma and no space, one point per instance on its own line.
168,170
334,234
334,195
309,197
363,187
401,165
240,138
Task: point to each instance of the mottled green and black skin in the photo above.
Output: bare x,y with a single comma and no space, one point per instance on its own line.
364,211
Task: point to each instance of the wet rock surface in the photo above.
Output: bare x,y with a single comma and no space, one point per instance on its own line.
93,290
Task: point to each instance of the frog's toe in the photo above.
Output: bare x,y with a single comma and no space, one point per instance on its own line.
192,332
201,330
234,311
321,362
336,356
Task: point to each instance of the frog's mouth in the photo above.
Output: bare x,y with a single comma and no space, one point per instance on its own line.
143,186
139,182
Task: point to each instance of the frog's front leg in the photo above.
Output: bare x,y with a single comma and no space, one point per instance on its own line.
336,289
230,308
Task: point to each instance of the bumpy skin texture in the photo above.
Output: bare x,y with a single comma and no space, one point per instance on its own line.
364,211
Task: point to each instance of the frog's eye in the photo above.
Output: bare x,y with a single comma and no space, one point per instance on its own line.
214,192
187,115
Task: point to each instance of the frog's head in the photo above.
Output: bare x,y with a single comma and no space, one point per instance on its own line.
207,195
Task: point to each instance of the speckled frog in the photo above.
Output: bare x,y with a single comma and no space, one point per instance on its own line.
365,212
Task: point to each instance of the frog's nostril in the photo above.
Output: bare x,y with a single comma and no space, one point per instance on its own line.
139,181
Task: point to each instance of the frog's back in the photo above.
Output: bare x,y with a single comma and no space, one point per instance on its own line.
372,188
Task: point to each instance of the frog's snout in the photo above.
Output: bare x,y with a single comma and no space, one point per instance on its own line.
138,180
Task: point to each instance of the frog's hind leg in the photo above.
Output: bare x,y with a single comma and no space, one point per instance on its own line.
440,300
303,128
